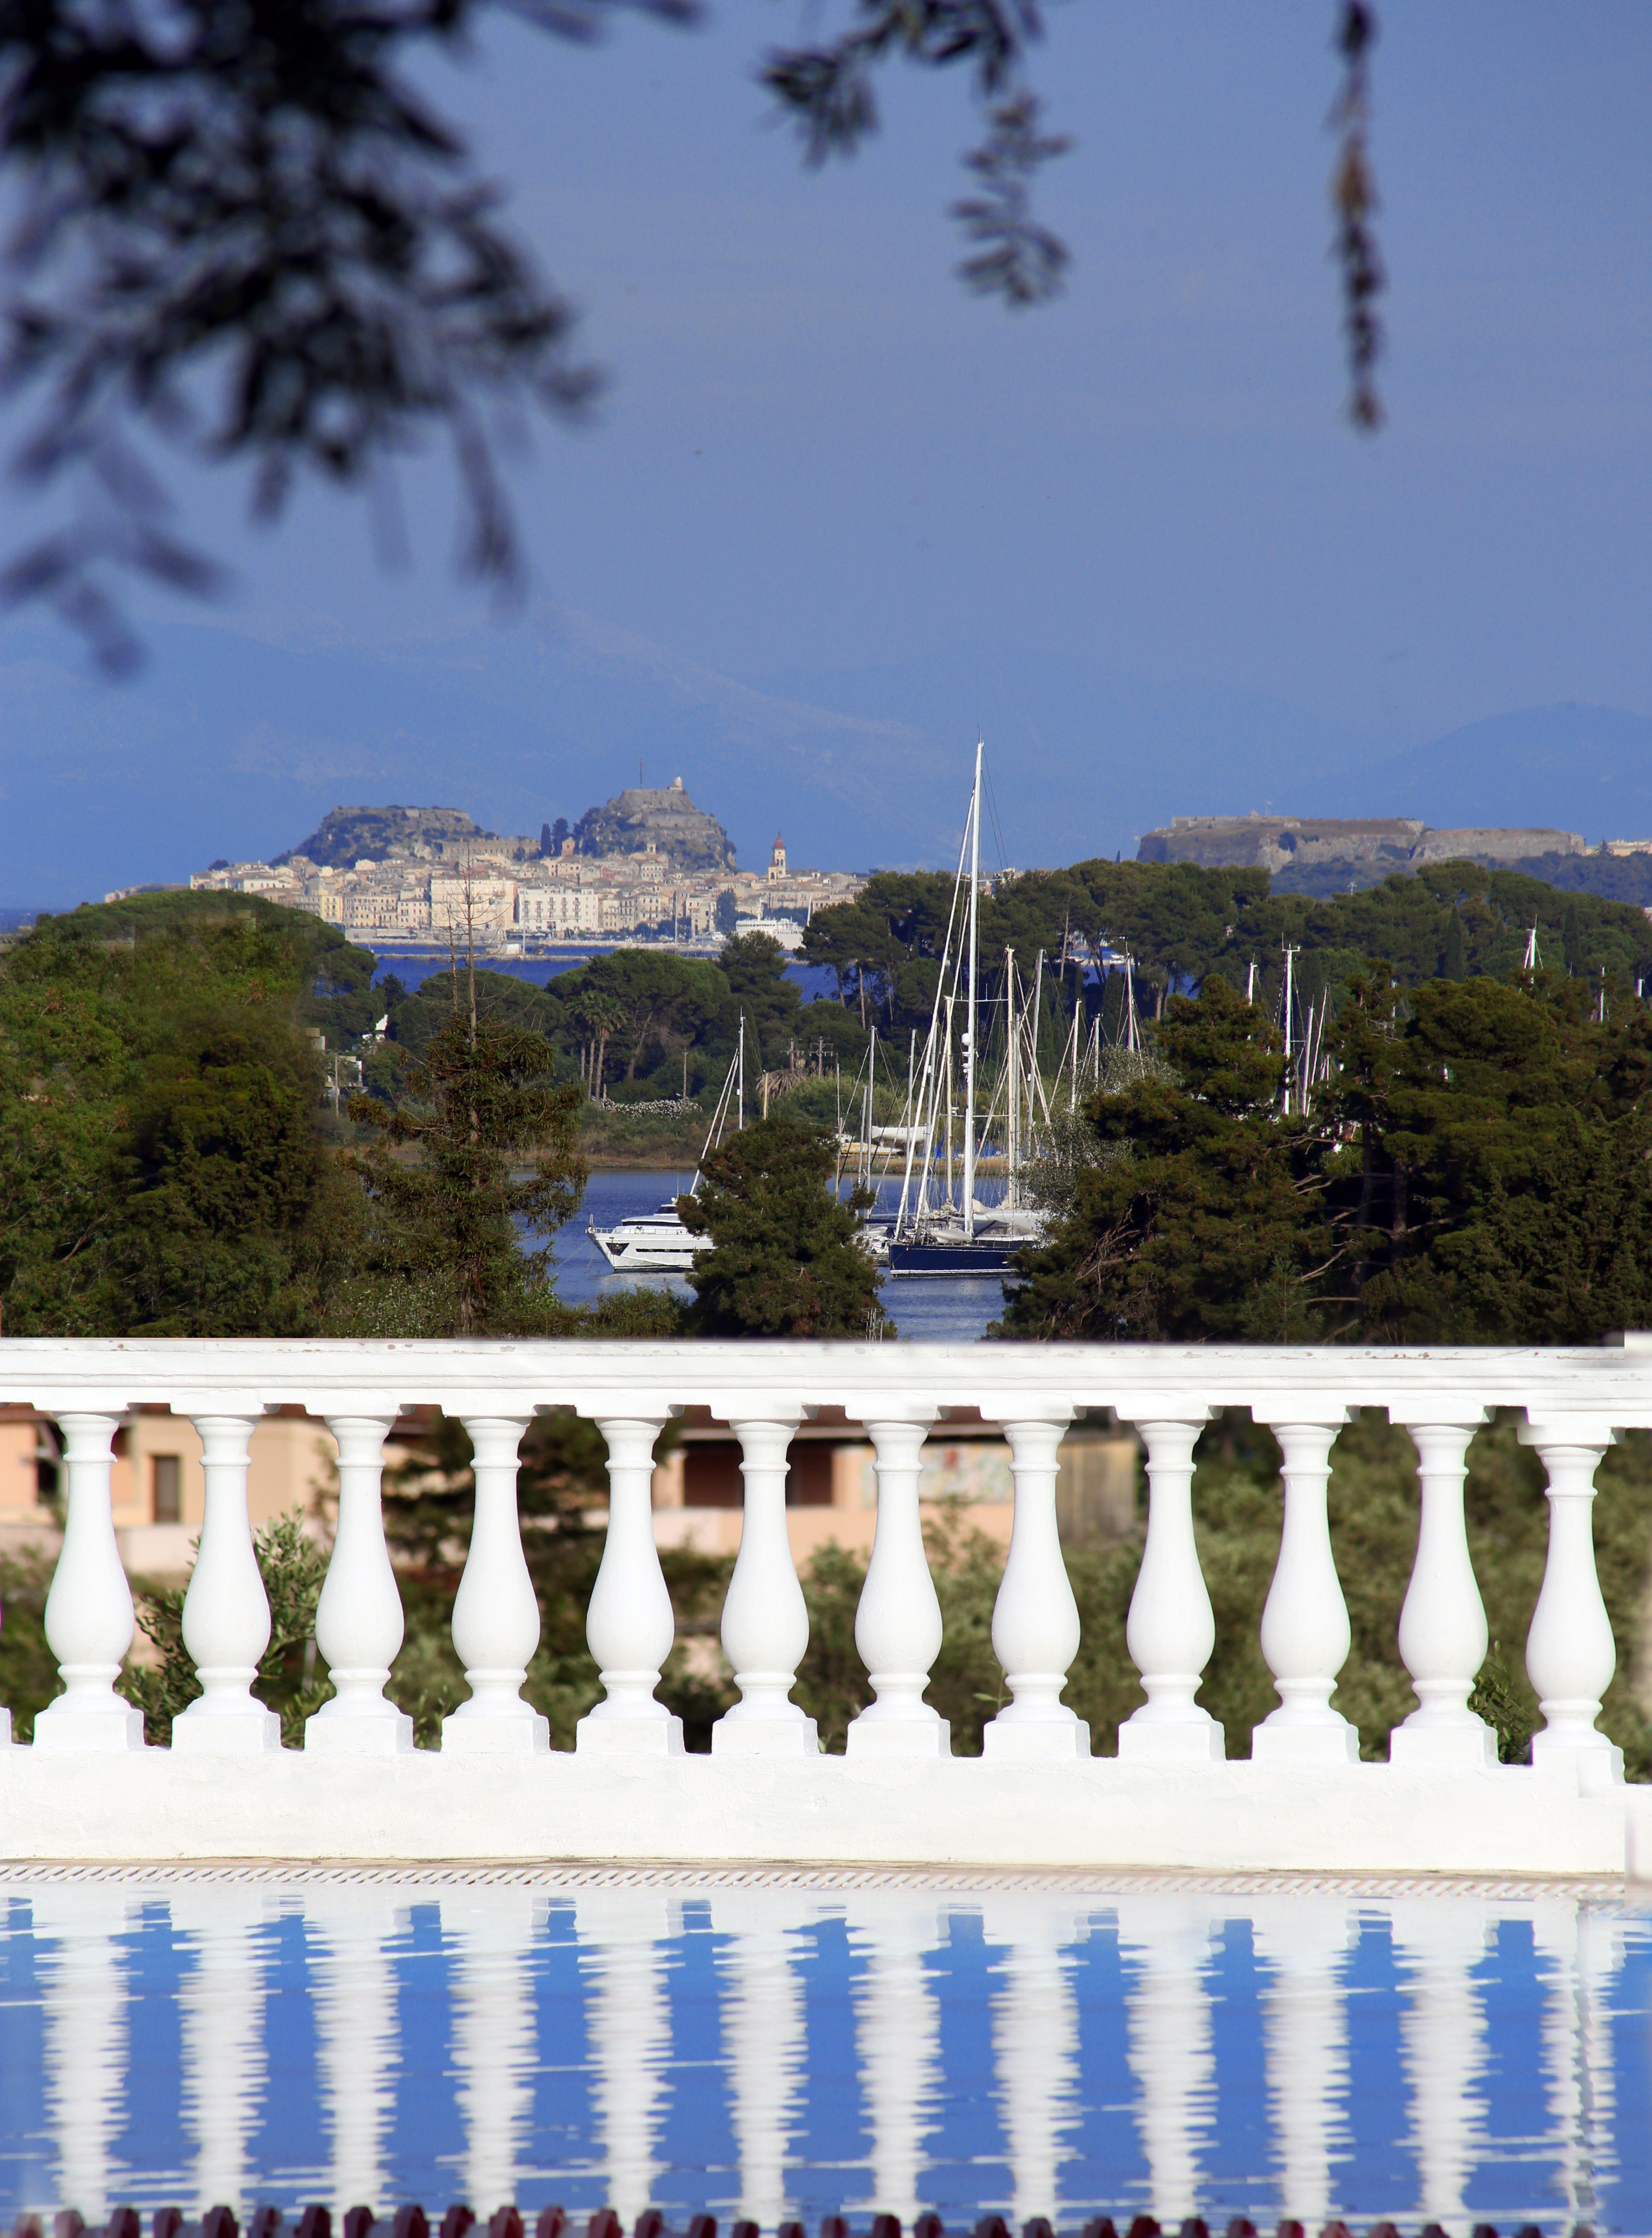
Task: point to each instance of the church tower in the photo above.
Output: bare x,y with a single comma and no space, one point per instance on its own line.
777,858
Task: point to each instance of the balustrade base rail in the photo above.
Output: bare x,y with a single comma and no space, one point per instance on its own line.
159,1806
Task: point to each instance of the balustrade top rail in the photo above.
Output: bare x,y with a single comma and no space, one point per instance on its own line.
1612,1383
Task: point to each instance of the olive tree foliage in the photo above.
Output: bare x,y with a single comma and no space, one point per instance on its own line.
240,229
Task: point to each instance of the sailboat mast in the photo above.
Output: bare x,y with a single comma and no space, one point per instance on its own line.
739,1058
1012,1083
951,1098
969,1030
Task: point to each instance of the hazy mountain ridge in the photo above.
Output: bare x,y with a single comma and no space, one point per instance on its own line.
234,746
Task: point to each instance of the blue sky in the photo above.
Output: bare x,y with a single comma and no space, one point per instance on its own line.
820,464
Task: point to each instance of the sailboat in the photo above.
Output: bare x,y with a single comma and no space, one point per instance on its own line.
932,1235
657,1242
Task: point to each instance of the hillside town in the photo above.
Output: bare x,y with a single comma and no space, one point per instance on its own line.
646,864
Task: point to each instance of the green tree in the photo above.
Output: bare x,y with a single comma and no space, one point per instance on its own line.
1454,950
494,1155
754,966
784,1261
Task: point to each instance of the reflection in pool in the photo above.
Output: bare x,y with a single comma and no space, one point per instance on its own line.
771,2044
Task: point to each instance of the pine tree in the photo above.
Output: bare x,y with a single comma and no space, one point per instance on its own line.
784,1260
446,1254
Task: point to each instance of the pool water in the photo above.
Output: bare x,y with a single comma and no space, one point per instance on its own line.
772,2043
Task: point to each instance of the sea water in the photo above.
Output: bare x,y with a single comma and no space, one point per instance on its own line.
778,2044
949,1310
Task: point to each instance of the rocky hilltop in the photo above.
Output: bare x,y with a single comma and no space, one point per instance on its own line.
663,817
1324,854
348,836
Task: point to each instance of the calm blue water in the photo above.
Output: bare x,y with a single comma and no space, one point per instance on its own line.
781,2043
929,1312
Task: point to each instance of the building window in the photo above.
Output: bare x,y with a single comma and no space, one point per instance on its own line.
168,1502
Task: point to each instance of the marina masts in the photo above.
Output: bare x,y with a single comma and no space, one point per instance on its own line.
969,1030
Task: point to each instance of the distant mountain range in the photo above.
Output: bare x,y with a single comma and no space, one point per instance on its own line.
234,746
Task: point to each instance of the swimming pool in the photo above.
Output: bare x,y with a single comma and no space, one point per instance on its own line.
774,2043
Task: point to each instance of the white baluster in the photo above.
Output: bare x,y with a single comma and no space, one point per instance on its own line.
351,1932
1438,1941
84,1998
897,1624
492,1932
1305,1636
1570,1654
1035,1618
1443,1624
220,2016
897,2039
226,1611
764,2036
766,1624
1171,2045
89,1611
1304,1941
1035,2044
630,1624
1171,1630
358,1619
620,1932
495,1613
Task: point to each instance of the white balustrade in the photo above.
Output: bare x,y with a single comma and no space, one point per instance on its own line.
1438,1942
85,2008
226,1611
351,1933
491,1932
764,2031
765,1622
1035,1619
1305,1635
897,2039
358,1619
622,1934
1440,1802
1035,2042
1570,1652
1171,2045
90,1619
897,1624
1303,1941
630,1625
1171,1630
495,1613
1443,1624
223,1925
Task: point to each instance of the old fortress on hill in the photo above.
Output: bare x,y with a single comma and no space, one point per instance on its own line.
647,862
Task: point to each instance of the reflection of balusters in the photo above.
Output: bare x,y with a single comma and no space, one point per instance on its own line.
83,2001
1583,1949
1168,2015
221,2011
898,2038
1035,2042
628,2030
1438,1941
349,1931
491,1932
1303,1941
764,2036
